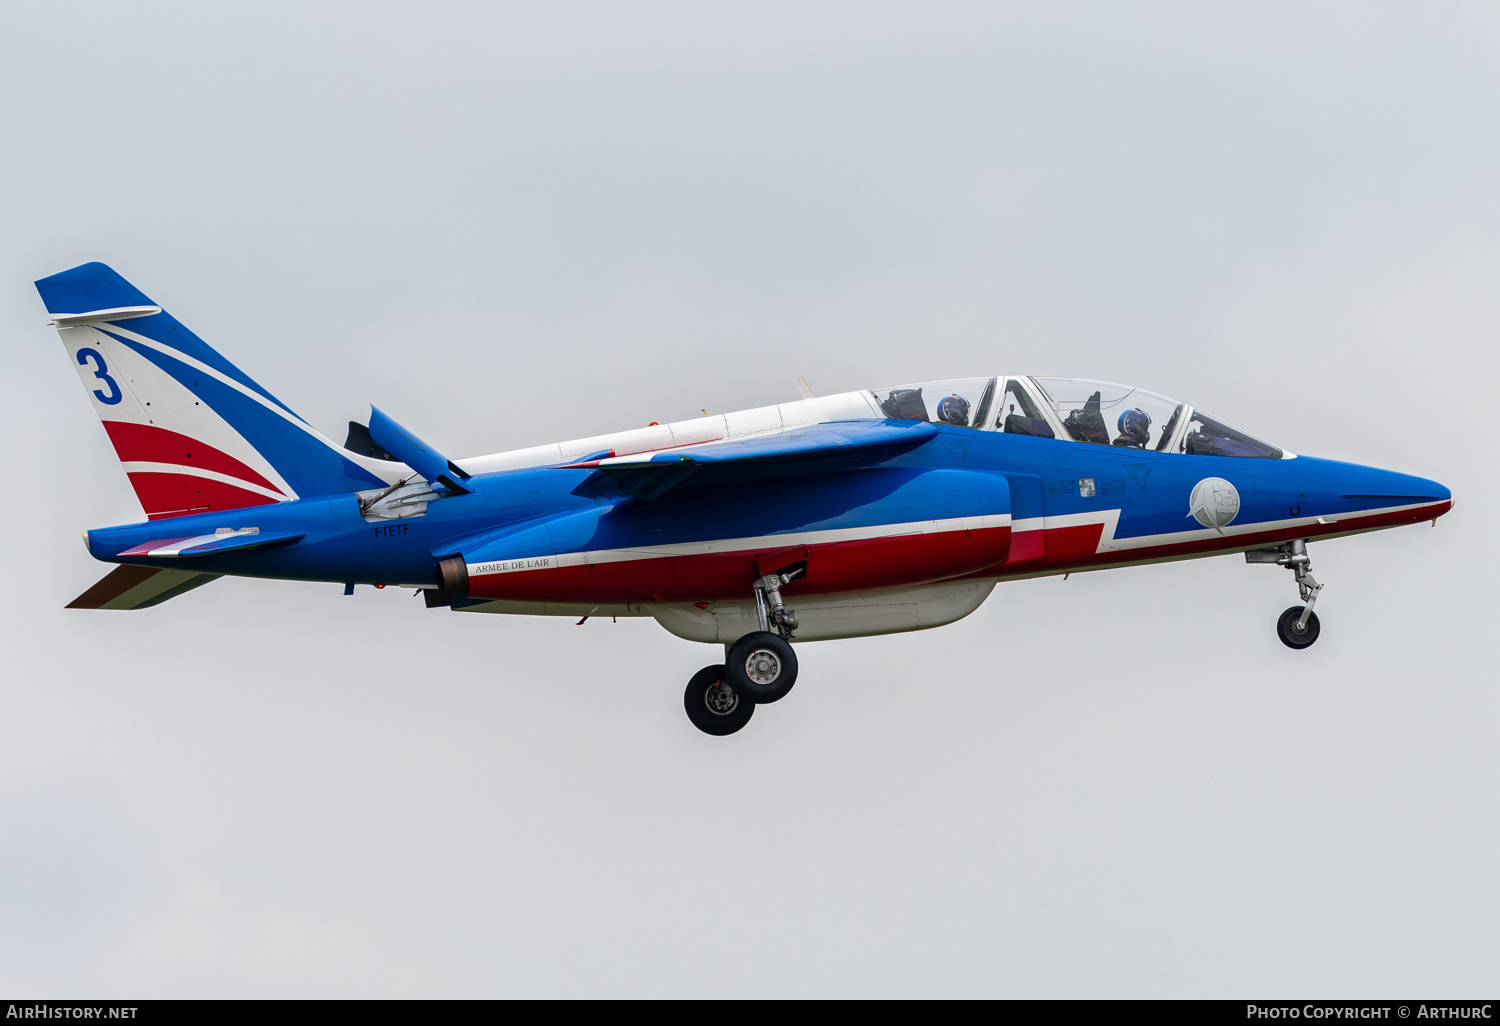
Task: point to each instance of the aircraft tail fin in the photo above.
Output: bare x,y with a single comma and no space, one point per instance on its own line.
193,431
136,587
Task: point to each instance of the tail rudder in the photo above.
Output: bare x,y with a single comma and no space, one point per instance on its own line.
193,431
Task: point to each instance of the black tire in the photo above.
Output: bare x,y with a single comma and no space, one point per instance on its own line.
1291,637
762,666
713,705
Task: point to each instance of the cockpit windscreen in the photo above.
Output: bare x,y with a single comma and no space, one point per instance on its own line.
1208,437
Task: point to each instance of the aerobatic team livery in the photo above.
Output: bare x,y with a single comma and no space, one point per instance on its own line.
869,512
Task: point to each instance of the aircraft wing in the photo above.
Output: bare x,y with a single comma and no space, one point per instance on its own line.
847,443
136,587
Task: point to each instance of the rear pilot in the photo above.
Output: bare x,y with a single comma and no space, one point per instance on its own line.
1135,429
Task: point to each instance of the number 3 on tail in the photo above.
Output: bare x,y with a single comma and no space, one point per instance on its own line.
87,355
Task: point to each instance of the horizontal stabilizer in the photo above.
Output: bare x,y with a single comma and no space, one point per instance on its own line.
415,453
136,587
212,544
831,445
118,313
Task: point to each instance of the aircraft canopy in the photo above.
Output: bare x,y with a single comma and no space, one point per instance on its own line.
1076,409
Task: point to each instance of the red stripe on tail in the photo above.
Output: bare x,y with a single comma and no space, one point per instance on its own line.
147,443
175,495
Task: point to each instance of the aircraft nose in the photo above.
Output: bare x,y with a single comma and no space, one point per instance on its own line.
1440,493
1424,489
1407,490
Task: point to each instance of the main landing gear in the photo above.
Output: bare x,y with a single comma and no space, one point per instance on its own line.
1297,627
713,705
759,669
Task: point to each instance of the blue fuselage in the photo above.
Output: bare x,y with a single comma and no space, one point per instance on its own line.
1140,499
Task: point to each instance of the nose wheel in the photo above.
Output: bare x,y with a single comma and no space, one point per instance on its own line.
1294,630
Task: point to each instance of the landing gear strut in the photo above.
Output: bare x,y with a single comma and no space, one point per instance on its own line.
762,665
768,592
1298,627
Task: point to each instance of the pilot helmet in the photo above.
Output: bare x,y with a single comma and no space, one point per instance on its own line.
954,409
1136,426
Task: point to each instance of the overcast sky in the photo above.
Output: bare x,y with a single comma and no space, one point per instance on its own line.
514,224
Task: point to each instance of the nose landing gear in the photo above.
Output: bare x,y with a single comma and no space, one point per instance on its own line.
1298,627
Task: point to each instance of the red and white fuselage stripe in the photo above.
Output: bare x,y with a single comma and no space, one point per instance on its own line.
848,559
723,546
